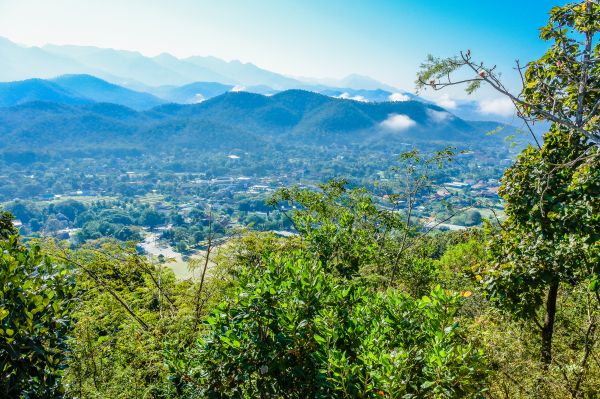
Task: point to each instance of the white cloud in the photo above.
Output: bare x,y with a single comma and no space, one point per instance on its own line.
445,101
398,122
198,98
238,88
398,97
498,106
347,96
439,116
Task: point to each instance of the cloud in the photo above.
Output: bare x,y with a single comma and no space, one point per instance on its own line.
348,96
398,97
238,88
498,106
439,116
398,122
198,98
445,101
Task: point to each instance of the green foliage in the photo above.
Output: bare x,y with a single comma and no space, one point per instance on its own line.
343,227
69,208
151,218
435,68
128,309
7,228
559,87
390,344
295,330
36,300
135,324
354,233
457,262
552,231
566,76
513,348
550,239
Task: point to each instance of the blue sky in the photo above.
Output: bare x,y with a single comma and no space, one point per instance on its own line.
385,39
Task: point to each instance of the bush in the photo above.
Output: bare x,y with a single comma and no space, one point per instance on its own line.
295,331
35,304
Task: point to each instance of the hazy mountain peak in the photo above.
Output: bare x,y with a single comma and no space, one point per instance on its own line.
356,81
166,56
165,75
35,90
6,42
99,90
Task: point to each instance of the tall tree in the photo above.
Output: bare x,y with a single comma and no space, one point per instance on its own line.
552,192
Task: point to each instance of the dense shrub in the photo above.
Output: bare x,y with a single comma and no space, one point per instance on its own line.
294,330
35,301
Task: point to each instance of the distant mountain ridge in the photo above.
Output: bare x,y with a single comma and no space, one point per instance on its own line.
21,92
99,90
88,88
132,69
72,90
234,120
187,80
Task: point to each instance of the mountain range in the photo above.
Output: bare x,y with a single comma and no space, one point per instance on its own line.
74,124
132,69
156,75
70,98
192,79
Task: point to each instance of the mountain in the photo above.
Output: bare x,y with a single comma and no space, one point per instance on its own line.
127,65
194,72
181,80
374,95
350,82
20,63
166,69
246,74
20,92
241,120
319,118
72,90
191,93
355,81
133,69
98,90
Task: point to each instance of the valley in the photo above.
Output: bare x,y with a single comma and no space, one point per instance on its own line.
299,199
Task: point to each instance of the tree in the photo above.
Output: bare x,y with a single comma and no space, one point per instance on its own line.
552,192
551,234
472,218
151,218
127,313
35,305
344,227
7,228
70,208
355,233
560,87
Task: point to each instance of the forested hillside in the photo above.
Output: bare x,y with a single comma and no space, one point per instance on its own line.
232,120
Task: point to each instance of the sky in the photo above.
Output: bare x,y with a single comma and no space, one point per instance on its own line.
384,39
